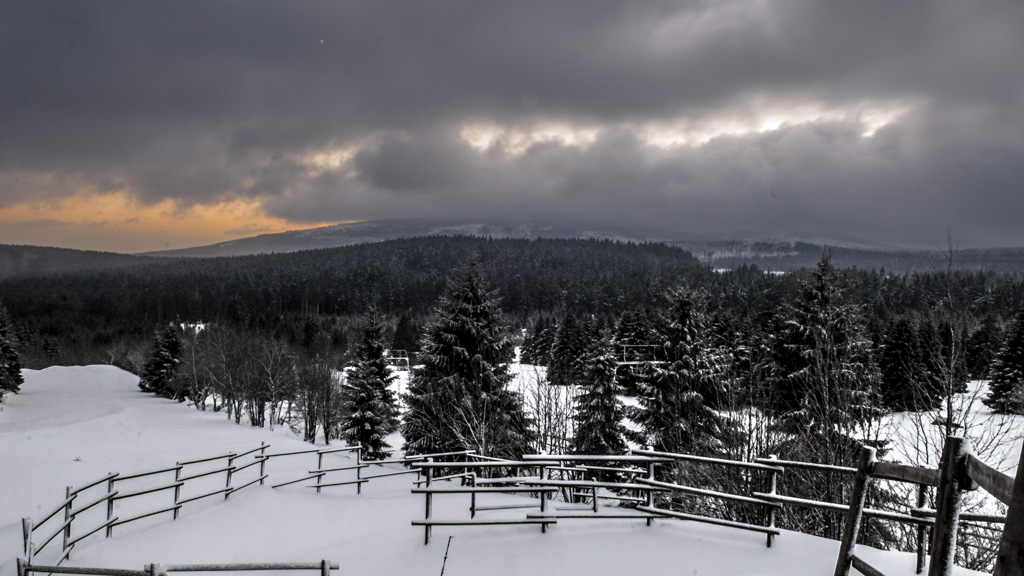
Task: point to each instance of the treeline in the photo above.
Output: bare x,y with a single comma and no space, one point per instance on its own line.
76,318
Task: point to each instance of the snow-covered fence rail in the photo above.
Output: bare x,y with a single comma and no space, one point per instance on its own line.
429,466
115,494
768,529
321,472
959,471
324,567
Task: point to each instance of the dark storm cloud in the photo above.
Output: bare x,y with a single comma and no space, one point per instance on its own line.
199,101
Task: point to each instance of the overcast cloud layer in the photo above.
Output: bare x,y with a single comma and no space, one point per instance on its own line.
887,121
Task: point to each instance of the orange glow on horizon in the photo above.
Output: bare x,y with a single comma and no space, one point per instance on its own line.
116,222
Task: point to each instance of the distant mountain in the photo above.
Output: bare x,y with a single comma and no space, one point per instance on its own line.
16,260
380,230
777,254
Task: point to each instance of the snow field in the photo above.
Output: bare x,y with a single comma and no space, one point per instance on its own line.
71,426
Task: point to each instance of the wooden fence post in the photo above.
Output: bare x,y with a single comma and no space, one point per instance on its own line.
67,521
922,530
430,476
1010,561
26,530
952,481
177,489
851,527
263,461
541,470
325,567
320,466
773,484
359,471
227,482
650,493
472,496
110,504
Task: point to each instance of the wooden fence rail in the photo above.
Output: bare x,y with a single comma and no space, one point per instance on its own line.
324,567
112,494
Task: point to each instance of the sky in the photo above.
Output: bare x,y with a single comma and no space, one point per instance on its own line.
133,126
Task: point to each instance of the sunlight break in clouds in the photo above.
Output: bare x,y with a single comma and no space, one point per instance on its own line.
115,221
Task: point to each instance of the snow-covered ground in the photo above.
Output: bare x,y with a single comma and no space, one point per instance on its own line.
70,426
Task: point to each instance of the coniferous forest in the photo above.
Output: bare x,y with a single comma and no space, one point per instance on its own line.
734,363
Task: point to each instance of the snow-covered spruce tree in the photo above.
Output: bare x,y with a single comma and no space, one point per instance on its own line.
158,373
371,412
905,385
676,404
599,411
834,387
10,364
569,349
1006,391
459,398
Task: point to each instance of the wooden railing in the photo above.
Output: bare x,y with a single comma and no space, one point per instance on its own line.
324,567
958,471
115,491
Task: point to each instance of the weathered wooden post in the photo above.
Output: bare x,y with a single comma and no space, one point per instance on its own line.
227,481
922,530
594,492
110,504
177,489
953,480
472,495
773,485
263,461
430,476
20,567
67,521
359,471
650,493
319,467
543,497
325,567
1010,561
851,527
26,531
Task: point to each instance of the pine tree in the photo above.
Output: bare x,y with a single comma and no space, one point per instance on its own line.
458,397
675,411
833,379
982,347
836,380
1006,391
599,411
567,357
10,363
371,412
158,373
904,385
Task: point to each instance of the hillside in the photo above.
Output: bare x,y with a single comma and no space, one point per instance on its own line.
349,234
39,260
780,254
73,425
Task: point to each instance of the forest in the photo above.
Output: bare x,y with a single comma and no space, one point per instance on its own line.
732,363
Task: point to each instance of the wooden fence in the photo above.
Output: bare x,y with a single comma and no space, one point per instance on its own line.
958,471
324,567
114,490
65,522
574,478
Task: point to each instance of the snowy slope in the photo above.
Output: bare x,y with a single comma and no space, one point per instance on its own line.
73,425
